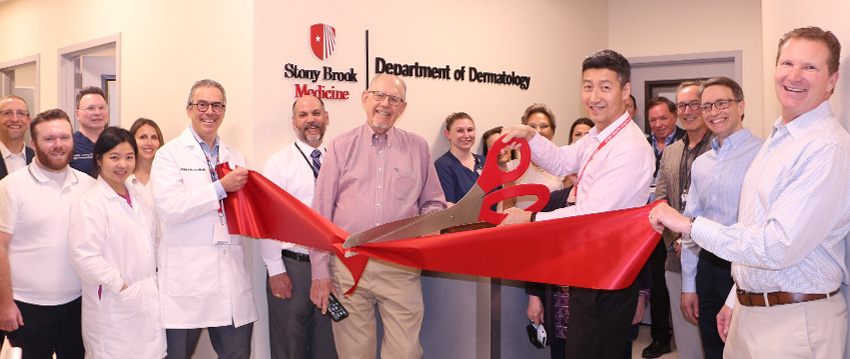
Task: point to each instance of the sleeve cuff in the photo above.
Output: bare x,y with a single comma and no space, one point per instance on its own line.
219,190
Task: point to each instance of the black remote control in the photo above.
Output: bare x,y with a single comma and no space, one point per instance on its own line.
335,309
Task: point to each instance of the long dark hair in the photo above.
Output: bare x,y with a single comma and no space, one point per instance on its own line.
110,137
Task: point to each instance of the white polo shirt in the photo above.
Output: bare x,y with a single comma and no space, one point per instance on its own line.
35,210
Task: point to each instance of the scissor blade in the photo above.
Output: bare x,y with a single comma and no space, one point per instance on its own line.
461,213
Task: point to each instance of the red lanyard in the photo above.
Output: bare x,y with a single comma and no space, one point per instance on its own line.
605,142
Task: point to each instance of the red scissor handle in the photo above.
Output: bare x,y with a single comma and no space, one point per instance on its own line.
539,190
492,176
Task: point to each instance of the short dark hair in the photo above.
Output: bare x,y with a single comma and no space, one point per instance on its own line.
48,115
655,101
815,33
633,100
581,121
207,83
91,90
490,132
141,121
611,60
321,103
450,119
539,108
110,137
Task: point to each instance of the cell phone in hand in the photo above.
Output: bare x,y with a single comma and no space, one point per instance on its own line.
335,309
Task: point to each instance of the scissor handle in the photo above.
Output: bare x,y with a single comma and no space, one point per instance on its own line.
528,189
492,176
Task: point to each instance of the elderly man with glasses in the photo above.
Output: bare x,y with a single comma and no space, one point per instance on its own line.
93,114
375,174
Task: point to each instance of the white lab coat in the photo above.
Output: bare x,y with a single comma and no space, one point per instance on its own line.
112,244
201,284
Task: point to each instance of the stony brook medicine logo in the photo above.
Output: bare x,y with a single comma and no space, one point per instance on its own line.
322,40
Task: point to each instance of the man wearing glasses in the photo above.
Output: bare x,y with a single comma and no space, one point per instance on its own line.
372,175
674,179
93,114
715,191
14,122
787,246
204,280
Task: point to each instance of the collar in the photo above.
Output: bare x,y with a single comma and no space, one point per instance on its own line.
733,140
388,136
5,153
608,130
38,173
200,141
708,136
307,148
805,123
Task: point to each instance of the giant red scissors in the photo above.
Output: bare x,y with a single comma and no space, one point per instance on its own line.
475,206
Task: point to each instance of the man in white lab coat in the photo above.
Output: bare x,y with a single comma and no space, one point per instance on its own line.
204,278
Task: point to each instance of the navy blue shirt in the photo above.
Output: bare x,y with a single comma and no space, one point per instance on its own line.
83,154
455,178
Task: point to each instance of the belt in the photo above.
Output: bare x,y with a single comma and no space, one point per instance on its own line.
750,299
301,257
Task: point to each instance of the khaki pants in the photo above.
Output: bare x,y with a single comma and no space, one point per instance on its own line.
816,329
397,293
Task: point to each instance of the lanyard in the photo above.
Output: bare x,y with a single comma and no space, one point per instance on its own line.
605,142
214,177
309,163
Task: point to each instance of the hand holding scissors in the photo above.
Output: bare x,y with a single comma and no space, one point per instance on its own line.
473,207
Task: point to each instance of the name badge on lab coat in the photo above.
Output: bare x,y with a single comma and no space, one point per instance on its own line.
221,236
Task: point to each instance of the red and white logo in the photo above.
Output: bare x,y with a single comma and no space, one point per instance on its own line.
322,40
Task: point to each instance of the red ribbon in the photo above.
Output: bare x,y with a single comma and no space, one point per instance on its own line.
602,250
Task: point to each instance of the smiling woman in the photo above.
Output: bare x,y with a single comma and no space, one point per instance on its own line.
111,240
459,168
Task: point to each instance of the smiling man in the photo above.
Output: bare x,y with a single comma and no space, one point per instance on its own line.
714,194
14,122
40,305
299,329
375,174
204,279
614,165
787,246
93,114
674,179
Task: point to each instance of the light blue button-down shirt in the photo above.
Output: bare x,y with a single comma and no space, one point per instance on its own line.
716,179
212,155
794,212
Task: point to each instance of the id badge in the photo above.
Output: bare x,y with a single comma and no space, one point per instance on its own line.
221,236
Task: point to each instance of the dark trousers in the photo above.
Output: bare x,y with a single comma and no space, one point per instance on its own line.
227,341
556,347
297,328
49,329
713,282
659,300
599,322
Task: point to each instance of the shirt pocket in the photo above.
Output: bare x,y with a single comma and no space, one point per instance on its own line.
190,271
405,184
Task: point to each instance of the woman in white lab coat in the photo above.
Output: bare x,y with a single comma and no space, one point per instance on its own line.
111,238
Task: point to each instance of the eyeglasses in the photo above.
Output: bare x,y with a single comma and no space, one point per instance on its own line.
380,96
19,114
694,105
203,106
719,105
93,109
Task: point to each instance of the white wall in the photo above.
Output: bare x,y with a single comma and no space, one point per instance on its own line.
670,27
545,40
166,47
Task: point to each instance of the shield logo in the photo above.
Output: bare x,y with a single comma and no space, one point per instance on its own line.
322,40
